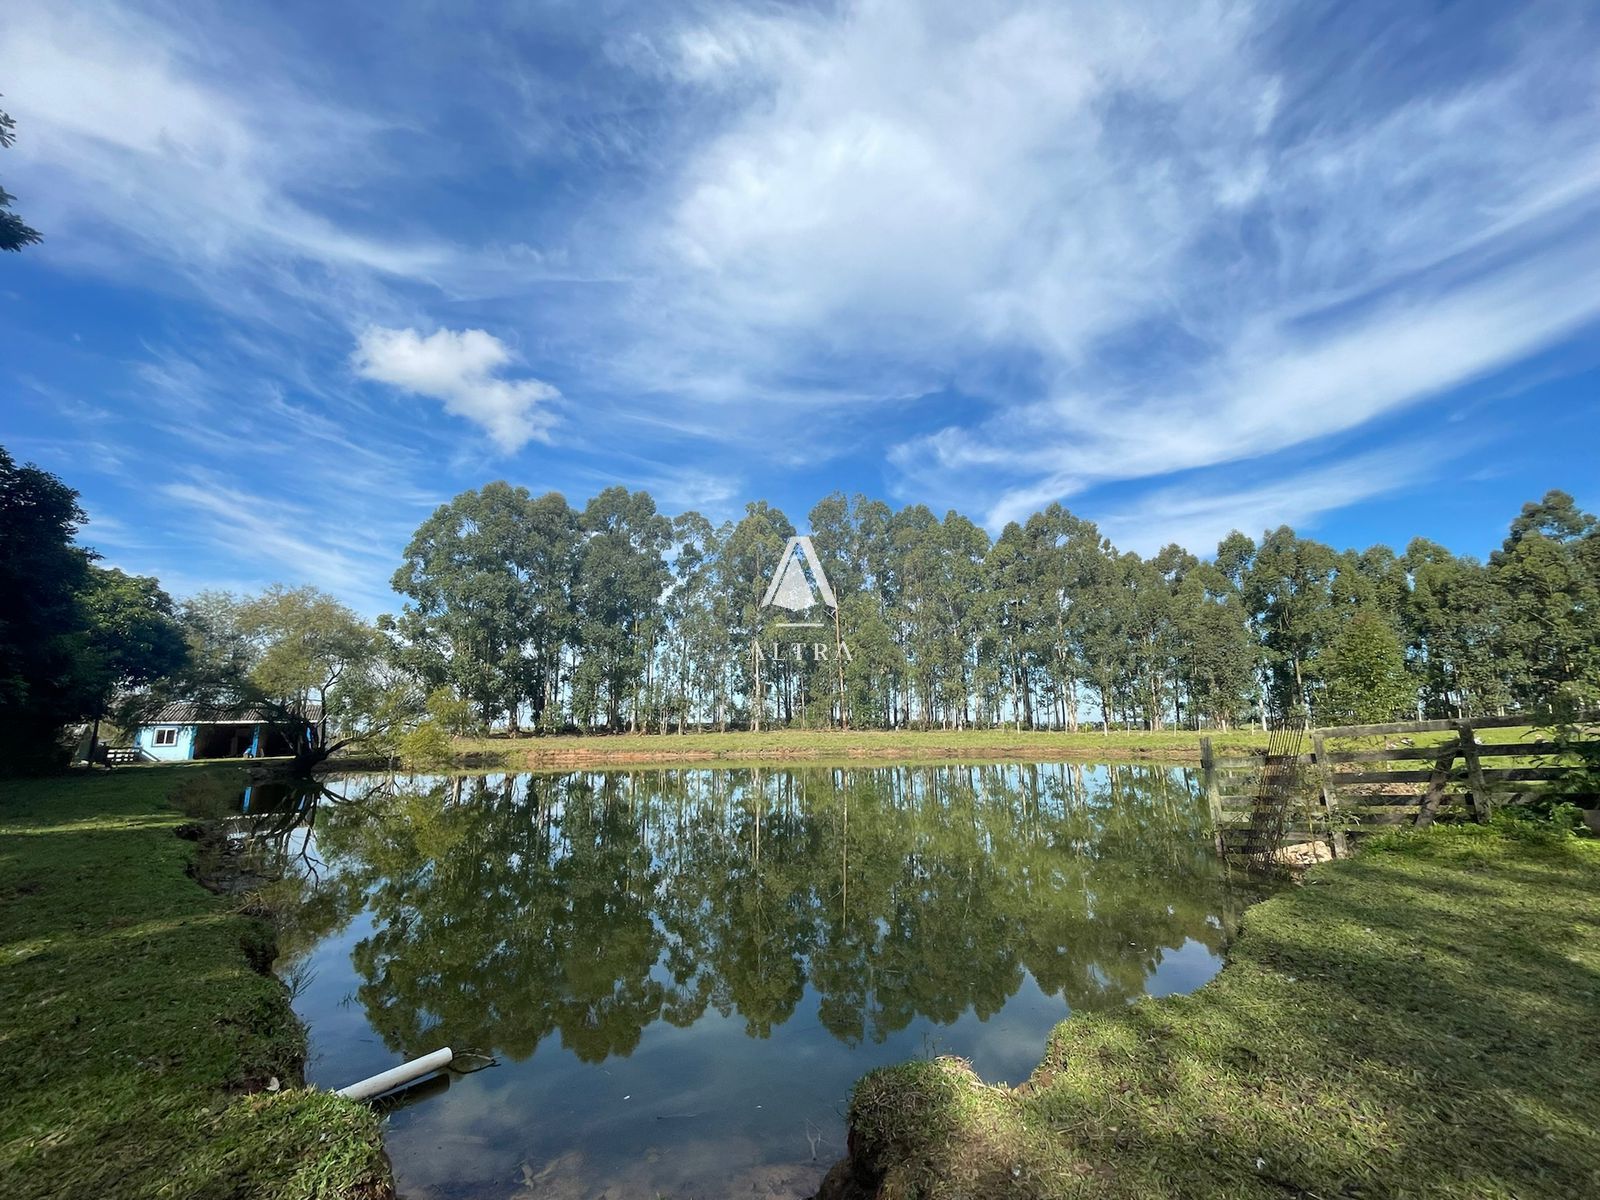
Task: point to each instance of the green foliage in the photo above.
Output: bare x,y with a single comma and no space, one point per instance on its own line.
75,639
134,640
319,670
616,617
14,234
1363,672
42,575
451,713
427,745
490,580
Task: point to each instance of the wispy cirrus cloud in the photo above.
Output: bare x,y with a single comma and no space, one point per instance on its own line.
983,254
1198,515
150,144
286,539
1198,248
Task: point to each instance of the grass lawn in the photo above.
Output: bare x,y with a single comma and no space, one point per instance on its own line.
1421,1020
137,1042
834,745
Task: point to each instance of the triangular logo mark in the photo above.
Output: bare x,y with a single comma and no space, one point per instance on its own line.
790,588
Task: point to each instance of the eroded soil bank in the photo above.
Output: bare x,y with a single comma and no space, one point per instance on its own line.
1423,1019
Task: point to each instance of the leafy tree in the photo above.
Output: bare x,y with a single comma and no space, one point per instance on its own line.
311,664
622,575
1364,673
14,234
42,624
1216,657
1548,570
1453,617
133,642
489,583
1289,590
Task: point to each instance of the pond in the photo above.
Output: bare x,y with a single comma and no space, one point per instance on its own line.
682,972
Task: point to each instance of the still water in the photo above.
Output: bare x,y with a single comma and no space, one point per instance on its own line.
681,973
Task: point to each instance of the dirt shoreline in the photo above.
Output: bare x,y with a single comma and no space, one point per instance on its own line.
534,754
888,754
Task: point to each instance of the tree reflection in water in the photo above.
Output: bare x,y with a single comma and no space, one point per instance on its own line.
508,908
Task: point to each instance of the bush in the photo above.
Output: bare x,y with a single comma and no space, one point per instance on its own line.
428,744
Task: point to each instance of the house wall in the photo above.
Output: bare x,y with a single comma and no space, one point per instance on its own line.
180,751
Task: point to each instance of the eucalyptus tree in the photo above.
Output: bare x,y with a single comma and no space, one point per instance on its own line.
750,554
696,658
1453,618
1070,573
1289,590
1217,658
1154,628
488,581
622,577
1548,570
1012,620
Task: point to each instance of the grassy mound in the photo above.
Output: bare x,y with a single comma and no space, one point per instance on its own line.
137,1044
1423,1020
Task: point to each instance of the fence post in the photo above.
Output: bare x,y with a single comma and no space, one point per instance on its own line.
1436,782
1337,842
1482,806
1208,768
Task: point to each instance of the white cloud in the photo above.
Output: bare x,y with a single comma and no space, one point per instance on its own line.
460,369
150,149
1145,237
1199,251
1197,517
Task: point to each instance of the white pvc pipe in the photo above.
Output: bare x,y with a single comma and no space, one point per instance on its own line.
398,1076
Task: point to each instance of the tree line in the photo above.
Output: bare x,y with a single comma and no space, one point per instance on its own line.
615,616
525,613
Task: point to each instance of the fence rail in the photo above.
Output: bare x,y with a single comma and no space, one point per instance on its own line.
1348,789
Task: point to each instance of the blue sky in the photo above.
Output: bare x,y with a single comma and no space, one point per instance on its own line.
1184,267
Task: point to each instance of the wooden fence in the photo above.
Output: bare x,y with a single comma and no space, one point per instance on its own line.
1356,777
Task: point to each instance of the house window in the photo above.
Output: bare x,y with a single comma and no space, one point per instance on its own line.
166,737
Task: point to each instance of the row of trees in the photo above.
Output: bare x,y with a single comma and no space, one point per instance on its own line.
614,615
522,611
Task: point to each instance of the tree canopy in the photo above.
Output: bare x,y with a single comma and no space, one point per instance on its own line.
527,611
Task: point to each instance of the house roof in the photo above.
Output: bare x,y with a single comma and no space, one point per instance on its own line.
184,713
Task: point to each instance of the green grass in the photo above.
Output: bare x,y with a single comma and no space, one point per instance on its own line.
844,745
137,1039
1421,1020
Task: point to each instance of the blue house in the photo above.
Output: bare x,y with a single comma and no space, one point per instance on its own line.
178,732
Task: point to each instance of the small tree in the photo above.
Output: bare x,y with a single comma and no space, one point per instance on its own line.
1364,673
311,664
